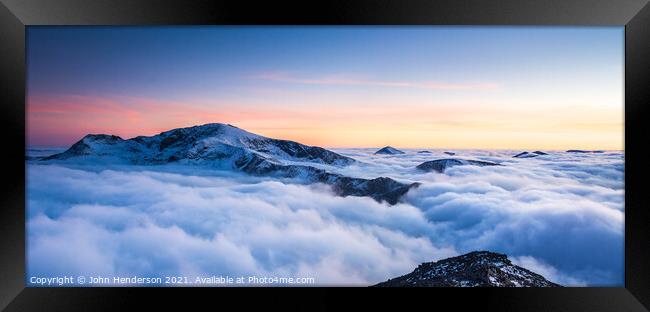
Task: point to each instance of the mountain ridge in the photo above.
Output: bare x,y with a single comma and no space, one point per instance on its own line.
224,146
440,165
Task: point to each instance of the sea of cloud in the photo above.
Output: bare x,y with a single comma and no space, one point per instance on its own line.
560,215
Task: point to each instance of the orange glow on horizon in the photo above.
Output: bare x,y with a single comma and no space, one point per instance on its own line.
62,120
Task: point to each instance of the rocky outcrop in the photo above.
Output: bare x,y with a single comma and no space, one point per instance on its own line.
440,165
475,269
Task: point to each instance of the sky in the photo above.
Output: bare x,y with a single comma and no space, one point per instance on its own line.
408,87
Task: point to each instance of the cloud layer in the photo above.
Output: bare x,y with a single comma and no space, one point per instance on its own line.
559,215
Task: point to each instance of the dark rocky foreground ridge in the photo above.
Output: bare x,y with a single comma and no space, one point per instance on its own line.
475,269
227,147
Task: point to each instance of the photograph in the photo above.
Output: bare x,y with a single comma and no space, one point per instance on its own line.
308,156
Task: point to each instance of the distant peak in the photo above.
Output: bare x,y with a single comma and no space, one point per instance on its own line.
440,165
389,150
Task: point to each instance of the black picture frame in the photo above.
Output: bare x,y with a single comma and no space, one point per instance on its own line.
15,15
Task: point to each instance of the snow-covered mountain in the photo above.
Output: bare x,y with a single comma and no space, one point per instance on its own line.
227,147
205,142
475,269
388,150
439,165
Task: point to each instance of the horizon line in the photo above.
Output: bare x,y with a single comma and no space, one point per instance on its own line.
27,147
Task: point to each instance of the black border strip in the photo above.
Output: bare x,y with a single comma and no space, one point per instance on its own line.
637,102
12,122
358,12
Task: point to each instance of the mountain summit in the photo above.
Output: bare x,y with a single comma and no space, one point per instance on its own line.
475,269
388,150
226,147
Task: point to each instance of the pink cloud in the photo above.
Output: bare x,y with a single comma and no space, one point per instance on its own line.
339,80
